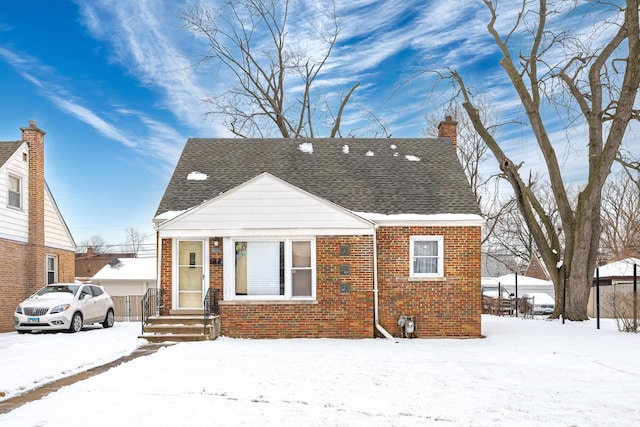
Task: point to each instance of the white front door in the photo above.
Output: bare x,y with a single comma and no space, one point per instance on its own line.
190,274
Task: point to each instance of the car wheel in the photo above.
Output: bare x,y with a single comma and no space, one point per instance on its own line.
76,323
108,320
22,332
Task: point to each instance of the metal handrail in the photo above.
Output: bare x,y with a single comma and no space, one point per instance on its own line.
151,300
211,307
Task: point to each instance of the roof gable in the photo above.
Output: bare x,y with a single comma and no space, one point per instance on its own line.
386,176
7,149
266,202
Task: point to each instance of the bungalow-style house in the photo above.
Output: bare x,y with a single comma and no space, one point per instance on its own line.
344,238
36,247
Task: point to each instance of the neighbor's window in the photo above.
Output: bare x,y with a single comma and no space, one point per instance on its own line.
15,192
52,269
427,257
279,269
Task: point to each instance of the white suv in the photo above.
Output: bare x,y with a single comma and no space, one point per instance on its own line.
64,306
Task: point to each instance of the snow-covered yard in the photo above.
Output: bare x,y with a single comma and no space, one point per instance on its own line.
525,373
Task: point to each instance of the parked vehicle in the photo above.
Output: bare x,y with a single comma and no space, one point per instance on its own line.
542,303
64,306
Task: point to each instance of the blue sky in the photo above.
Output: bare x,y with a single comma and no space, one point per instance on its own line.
111,84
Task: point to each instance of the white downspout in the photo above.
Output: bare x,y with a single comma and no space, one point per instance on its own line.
375,288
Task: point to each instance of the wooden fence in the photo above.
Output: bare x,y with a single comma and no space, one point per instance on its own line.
128,308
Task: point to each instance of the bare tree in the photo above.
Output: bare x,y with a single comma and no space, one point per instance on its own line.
601,83
135,239
275,74
471,150
97,243
621,217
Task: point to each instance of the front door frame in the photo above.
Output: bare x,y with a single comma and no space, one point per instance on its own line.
176,270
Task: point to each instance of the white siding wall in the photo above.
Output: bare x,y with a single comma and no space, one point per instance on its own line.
268,203
14,223
56,234
127,287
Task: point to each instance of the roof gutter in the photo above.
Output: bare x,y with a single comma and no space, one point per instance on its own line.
375,288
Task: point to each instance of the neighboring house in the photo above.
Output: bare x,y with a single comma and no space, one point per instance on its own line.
90,262
36,246
525,284
323,237
616,285
127,276
127,280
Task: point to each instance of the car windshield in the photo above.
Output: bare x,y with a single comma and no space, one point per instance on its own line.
71,289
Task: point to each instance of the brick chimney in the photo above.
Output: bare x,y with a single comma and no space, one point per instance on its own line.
448,128
34,138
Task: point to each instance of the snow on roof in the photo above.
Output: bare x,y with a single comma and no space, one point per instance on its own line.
382,218
128,269
169,215
369,153
306,147
412,158
510,279
623,268
197,176
345,149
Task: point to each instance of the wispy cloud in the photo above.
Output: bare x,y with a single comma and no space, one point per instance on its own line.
45,79
145,39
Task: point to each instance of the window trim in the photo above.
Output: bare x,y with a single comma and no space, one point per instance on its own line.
55,268
230,276
9,191
440,264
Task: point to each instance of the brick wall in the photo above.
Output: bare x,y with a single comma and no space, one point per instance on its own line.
166,277
448,128
443,308
334,315
35,266
13,280
66,264
449,307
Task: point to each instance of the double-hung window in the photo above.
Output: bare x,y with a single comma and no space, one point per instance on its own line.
274,269
427,256
14,198
52,269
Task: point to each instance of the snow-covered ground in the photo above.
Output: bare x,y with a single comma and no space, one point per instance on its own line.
525,373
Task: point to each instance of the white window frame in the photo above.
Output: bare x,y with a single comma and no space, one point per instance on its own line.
440,262
19,179
55,268
230,275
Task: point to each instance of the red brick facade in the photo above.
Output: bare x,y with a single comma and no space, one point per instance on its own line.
442,308
23,265
450,307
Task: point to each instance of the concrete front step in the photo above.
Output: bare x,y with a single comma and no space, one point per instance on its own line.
175,320
180,328
157,338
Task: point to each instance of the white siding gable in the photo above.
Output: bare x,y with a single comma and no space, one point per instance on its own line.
14,223
56,233
266,205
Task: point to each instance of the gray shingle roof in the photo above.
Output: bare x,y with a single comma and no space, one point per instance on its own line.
7,148
386,182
